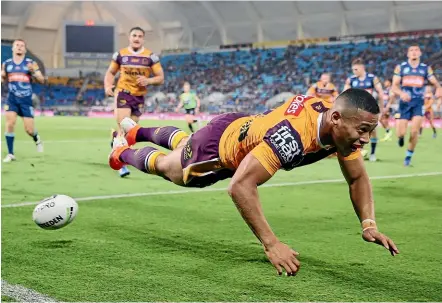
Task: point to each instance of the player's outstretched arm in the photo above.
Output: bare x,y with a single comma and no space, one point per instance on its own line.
362,198
243,189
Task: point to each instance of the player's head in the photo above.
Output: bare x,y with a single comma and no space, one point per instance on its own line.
325,78
19,47
186,87
354,116
136,38
414,52
387,83
358,67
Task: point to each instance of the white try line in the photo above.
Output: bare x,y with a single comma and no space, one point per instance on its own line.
189,191
23,294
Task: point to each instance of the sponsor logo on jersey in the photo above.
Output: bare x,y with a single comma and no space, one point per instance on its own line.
286,142
297,105
125,59
413,81
18,77
187,152
406,70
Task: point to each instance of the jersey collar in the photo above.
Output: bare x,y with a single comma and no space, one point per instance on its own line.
134,52
318,139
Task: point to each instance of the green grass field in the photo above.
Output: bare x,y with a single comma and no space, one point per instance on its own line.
194,246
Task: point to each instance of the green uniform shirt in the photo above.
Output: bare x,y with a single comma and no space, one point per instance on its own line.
189,100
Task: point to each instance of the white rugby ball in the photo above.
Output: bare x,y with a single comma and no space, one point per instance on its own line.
55,212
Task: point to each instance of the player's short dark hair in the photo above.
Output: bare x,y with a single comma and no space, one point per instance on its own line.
137,28
414,44
357,61
360,99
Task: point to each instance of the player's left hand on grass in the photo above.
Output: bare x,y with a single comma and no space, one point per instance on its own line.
283,257
143,81
372,235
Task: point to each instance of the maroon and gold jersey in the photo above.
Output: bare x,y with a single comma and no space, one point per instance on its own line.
326,92
287,137
133,64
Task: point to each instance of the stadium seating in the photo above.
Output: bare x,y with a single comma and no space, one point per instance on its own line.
267,72
248,78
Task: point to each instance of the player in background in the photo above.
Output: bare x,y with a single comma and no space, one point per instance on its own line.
428,109
409,80
363,80
324,89
136,65
191,103
19,71
250,149
388,95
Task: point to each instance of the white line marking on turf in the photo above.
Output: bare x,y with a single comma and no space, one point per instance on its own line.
68,141
188,191
23,294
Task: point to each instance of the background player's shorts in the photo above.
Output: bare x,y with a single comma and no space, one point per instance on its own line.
135,103
429,114
22,106
190,111
407,111
200,156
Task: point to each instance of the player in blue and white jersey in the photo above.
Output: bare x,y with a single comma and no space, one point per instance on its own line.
363,80
409,80
19,71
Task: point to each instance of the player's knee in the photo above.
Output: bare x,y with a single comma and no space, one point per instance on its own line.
232,189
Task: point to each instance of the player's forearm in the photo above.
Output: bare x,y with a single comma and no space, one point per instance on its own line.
396,89
157,80
109,80
38,76
362,198
245,197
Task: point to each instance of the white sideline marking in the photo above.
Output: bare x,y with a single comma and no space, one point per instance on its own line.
90,140
23,294
188,191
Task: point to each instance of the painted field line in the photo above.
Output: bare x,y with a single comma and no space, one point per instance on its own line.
23,294
189,191
89,140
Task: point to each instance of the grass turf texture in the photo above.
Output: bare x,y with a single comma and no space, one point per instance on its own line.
195,246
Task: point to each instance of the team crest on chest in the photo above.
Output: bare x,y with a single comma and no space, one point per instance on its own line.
319,107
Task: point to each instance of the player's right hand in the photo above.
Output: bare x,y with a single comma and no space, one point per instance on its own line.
405,96
283,257
372,235
109,90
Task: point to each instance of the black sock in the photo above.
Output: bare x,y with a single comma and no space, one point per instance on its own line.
401,141
190,127
434,130
420,131
35,137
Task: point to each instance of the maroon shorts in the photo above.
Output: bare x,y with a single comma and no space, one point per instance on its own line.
428,114
200,156
135,103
